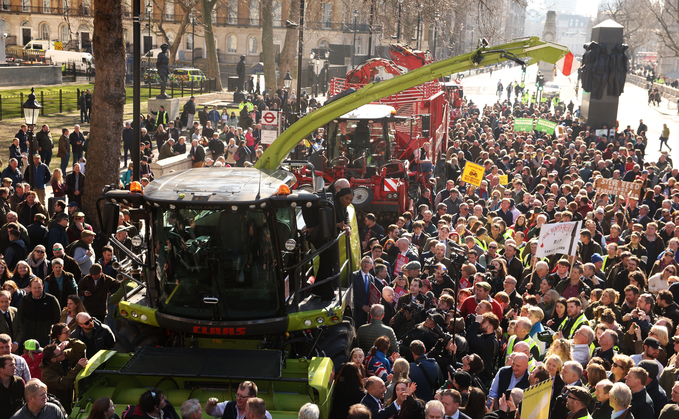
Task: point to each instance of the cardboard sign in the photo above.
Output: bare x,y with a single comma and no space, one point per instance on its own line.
617,187
375,295
536,400
545,126
473,173
601,133
523,124
504,179
401,261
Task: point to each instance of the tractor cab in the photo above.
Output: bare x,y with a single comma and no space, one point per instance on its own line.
362,140
455,93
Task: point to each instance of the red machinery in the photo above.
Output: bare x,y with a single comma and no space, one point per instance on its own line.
378,169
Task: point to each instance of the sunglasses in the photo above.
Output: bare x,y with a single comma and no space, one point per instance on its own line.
87,323
39,251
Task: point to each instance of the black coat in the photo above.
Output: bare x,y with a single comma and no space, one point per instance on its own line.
70,182
375,411
486,346
642,405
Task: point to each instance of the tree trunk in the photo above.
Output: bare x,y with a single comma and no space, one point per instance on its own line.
289,53
103,151
267,45
210,46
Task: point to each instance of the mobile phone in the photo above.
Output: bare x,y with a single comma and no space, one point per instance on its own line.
489,403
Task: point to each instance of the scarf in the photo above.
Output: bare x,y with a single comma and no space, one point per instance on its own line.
36,264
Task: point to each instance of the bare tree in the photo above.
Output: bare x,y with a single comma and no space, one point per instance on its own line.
210,44
107,106
665,20
637,22
185,8
267,43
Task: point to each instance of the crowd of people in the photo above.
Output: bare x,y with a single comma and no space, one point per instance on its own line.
468,316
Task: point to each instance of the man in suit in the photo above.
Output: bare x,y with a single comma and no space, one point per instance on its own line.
620,398
368,333
444,231
451,400
197,153
362,284
7,315
419,236
570,376
234,409
376,389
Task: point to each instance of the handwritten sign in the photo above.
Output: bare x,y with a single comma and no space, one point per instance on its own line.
618,187
473,173
504,179
561,238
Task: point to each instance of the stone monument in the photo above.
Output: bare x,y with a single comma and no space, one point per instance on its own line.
603,74
548,35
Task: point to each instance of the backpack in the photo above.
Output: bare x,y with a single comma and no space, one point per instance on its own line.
128,412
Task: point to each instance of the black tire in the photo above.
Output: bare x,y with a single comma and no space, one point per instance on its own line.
131,336
362,197
337,342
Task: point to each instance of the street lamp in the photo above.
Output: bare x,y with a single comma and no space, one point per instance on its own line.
419,23
192,17
353,48
149,12
287,80
31,110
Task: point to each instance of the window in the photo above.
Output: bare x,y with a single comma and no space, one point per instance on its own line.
326,18
26,5
232,10
277,14
231,44
44,31
4,5
66,6
169,10
46,6
64,34
252,45
126,36
254,12
126,8
189,42
214,15
86,7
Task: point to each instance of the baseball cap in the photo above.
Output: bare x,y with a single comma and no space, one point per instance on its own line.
652,342
32,345
581,394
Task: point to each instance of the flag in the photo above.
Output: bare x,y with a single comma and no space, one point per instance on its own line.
561,238
568,64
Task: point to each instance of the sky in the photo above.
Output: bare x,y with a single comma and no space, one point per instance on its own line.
585,7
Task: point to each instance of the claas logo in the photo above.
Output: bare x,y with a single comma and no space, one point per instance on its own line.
473,173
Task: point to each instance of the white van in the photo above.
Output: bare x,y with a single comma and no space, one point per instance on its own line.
40,45
152,54
83,61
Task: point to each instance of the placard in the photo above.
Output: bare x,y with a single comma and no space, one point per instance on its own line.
618,187
400,262
473,173
523,124
504,179
545,126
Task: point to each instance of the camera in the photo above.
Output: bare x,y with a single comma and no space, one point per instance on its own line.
413,307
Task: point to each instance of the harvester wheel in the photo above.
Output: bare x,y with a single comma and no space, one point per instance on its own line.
132,335
337,342
362,197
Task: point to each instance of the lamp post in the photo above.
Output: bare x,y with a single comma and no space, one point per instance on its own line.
300,53
370,28
136,89
419,23
353,48
149,12
192,17
287,82
398,27
436,21
31,110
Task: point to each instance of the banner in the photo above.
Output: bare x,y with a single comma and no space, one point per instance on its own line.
523,124
545,126
536,400
617,187
473,173
561,238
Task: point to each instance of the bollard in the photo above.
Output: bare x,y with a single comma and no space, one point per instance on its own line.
42,100
61,101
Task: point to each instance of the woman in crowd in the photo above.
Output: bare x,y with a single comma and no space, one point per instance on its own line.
659,281
103,408
126,178
74,305
548,303
17,294
59,187
4,273
401,372
160,136
60,283
379,364
242,154
37,260
620,367
231,150
561,348
22,275
358,357
559,315
348,391
595,373
476,405
553,364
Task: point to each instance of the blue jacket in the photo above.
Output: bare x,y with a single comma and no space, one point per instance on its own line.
41,175
424,389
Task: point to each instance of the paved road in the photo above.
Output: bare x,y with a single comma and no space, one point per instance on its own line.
633,104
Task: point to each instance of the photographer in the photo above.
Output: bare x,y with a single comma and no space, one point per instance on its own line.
410,308
428,332
483,342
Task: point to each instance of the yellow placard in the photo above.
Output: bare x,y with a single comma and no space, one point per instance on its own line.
504,179
536,400
473,173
